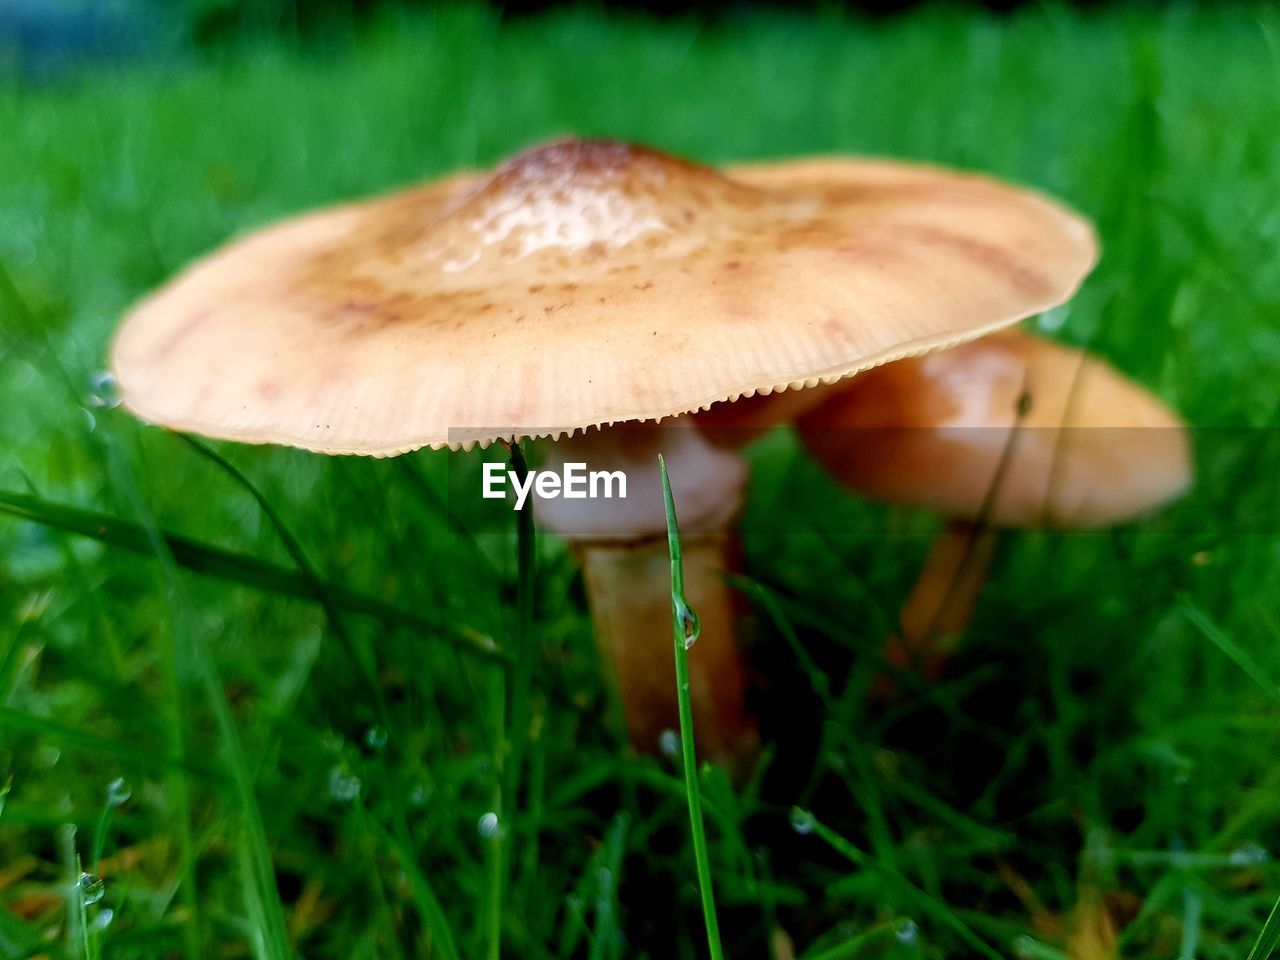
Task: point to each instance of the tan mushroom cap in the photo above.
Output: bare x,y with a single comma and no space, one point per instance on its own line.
584,283
1092,448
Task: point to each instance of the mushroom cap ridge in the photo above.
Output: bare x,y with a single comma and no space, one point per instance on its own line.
584,283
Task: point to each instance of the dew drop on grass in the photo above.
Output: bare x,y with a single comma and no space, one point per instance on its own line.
1053,320
332,741
692,626
92,889
375,739
1248,855
103,919
489,825
48,756
906,931
1026,947
802,821
103,393
118,792
669,743
343,786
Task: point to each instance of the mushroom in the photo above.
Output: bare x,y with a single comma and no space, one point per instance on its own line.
622,548
582,284
1007,431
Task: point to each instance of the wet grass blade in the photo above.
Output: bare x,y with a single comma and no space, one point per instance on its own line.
1269,938
420,889
240,568
145,758
855,945
363,659
1214,634
512,762
684,626
935,909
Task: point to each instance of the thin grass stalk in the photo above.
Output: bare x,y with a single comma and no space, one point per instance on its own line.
522,678
1269,938
684,626
241,568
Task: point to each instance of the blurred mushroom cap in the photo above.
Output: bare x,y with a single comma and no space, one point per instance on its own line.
584,283
1010,428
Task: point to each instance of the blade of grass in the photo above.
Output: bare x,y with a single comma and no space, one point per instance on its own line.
145,758
1269,938
17,938
240,568
410,469
607,908
424,898
763,597
513,724
684,626
364,660
261,891
522,678
927,904
1233,651
855,944
493,838
77,922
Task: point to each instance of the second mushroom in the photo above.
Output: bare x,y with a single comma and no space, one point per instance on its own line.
1007,431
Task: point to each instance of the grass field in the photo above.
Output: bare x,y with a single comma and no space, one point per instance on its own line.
304,694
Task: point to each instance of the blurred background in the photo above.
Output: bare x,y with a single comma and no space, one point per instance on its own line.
251,702
53,31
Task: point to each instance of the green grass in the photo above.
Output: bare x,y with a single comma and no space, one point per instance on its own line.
305,669
684,631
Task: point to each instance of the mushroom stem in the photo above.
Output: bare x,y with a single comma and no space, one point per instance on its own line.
629,591
621,544
942,601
